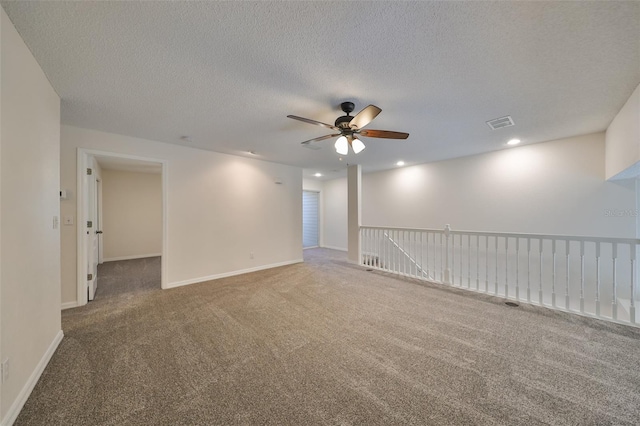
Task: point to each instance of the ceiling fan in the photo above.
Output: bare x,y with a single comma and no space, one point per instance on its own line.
350,127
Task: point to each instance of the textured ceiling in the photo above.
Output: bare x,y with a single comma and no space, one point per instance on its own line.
227,73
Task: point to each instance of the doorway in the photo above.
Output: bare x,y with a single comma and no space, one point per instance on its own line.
92,207
310,219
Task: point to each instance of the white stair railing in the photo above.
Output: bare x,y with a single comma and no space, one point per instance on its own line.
374,259
593,276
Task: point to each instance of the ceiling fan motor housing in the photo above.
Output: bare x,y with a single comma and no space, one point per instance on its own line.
343,122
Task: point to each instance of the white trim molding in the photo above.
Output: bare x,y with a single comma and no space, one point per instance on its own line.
69,305
135,256
19,402
232,273
335,248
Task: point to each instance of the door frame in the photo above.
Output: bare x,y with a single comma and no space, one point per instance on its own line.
99,220
84,161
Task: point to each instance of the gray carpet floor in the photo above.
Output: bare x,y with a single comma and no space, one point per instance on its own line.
326,342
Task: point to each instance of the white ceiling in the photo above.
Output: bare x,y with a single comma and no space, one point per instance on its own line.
228,73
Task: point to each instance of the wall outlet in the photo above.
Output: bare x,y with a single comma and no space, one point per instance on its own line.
251,255
5,370
56,222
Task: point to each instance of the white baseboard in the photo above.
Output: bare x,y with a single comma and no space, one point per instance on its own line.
22,397
335,248
135,256
231,274
69,305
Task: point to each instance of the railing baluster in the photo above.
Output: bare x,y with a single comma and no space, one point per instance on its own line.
441,261
566,294
415,254
495,286
614,299
392,253
453,269
506,267
366,255
632,296
517,268
477,262
598,278
421,254
582,276
529,270
486,267
540,295
380,250
553,281
452,275
468,261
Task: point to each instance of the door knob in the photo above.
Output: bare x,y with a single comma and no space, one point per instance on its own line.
98,232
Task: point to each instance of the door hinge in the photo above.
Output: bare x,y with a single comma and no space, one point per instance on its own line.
89,172
89,224
89,277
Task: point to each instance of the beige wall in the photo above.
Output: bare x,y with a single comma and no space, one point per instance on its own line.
29,242
623,140
131,214
221,208
555,187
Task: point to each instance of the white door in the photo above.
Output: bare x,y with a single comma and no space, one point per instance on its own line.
92,236
310,216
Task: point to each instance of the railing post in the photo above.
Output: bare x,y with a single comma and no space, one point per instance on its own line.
447,271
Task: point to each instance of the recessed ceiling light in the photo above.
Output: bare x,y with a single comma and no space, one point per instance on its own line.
400,163
513,142
318,174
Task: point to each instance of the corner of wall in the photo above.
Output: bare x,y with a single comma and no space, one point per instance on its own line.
622,146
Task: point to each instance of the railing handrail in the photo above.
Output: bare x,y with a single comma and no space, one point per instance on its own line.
515,235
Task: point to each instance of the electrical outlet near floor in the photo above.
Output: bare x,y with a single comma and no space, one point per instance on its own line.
251,255
5,370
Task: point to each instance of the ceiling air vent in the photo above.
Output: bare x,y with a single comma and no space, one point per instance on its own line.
499,123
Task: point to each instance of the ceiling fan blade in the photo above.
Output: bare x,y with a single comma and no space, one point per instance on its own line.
384,134
364,117
321,138
317,123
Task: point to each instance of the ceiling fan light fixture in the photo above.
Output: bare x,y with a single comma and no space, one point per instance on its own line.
357,145
342,145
